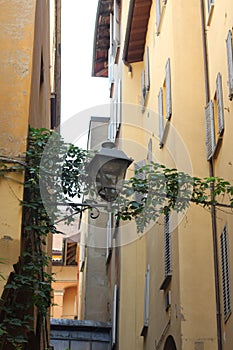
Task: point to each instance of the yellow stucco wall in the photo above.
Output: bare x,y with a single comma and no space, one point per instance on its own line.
24,100
193,312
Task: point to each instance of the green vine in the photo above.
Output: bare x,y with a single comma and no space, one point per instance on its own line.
55,175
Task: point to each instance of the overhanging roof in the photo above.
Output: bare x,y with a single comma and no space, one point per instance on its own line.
138,17
102,39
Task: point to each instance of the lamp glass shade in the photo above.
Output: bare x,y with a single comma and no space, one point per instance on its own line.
107,171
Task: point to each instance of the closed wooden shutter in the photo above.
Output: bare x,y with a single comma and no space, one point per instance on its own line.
114,317
119,103
137,165
167,246
230,63
146,297
160,114
116,28
147,70
158,15
210,132
143,87
168,90
150,158
219,97
226,288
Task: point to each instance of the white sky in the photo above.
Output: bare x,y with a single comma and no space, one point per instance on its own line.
79,90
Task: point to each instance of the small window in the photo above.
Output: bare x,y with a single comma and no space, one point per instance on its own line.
210,8
214,113
226,288
165,104
70,253
230,63
160,7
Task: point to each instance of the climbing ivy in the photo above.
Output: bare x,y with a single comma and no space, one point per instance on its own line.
27,294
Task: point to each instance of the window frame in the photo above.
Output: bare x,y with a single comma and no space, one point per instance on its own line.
146,302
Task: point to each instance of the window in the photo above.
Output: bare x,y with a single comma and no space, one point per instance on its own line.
139,175
145,78
70,253
167,253
214,114
210,7
146,302
230,63
164,104
160,6
226,289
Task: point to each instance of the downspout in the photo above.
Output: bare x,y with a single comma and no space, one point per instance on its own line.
127,36
213,209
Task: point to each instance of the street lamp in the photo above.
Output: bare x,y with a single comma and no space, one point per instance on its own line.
107,171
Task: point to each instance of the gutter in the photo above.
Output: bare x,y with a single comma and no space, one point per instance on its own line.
127,36
213,209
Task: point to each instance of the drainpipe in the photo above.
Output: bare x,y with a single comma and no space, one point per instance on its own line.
213,209
127,35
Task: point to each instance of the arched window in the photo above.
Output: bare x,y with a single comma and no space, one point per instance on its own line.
170,344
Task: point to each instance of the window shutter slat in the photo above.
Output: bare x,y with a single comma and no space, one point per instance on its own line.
210,133
219,96
230,63
160,111
168,90
147,70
